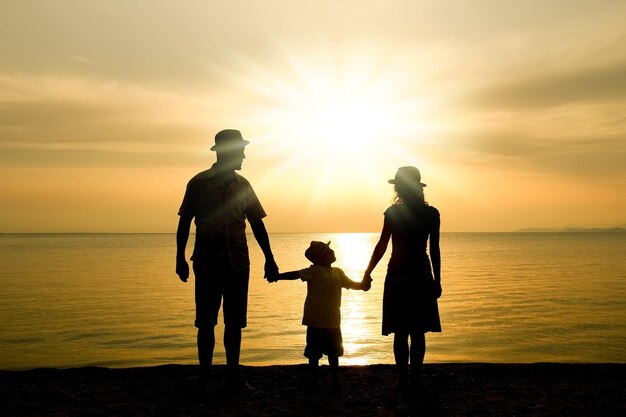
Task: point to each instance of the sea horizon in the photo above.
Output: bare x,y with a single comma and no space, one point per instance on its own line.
113,299
615,229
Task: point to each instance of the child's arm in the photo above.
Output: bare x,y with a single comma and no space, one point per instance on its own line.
291,275
364,285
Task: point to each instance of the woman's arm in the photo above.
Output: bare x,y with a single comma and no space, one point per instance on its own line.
379,250
364,285
435,256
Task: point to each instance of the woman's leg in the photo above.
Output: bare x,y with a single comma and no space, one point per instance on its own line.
401,354
401,348
418,348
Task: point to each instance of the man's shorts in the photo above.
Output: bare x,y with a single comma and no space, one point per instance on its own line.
211,286
323,342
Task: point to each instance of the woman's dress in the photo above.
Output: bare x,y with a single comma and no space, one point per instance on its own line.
409,302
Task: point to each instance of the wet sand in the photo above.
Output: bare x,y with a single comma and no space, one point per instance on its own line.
442,390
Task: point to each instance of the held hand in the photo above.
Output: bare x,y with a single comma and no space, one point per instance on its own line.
366,282
182,269
271,270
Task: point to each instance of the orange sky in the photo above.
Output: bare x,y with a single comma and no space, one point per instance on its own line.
515,112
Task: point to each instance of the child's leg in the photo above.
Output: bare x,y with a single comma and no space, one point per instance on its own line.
333,361
313,365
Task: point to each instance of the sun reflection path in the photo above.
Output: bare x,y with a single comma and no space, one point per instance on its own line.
359,311
353,251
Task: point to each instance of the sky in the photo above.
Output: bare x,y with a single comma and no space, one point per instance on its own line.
515,112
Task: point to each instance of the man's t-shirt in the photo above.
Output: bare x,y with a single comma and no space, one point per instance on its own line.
322,307
220,213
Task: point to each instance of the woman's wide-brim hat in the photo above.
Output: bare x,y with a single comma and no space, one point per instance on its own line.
316,250
229,140
407,175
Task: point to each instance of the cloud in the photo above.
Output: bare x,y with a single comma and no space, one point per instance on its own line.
595,156
600,158
58,121
49,115
51,121
82,59
90,158
565,120
595,84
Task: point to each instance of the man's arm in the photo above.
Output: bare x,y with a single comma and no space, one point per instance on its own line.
291,275
263,239
182,236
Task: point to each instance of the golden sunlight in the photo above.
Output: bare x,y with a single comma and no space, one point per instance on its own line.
333,116
353,251
339,127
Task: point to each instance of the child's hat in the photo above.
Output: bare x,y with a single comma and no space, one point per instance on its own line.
316,251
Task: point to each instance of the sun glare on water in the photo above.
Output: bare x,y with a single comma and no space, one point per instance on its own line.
353,251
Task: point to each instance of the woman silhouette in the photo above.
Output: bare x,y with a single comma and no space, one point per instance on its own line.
412,287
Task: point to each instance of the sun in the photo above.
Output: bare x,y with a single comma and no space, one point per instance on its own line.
332,122
328,115
337,126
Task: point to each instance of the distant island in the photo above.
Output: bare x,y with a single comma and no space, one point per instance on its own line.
574,230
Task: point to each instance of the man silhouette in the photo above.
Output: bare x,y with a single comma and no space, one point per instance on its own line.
220,200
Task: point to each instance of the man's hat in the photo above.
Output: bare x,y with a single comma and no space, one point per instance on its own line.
316,251
407,175
228,140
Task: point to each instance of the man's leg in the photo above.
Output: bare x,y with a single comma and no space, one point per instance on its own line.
208,296
206,345
232,345
235,319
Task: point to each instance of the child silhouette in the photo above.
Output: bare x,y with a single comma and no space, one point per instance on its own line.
322,307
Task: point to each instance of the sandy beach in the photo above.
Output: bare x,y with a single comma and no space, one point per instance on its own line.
443,390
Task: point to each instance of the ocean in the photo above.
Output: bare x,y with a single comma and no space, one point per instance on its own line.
71,300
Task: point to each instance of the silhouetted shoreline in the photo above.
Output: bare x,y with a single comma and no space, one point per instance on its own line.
543,389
